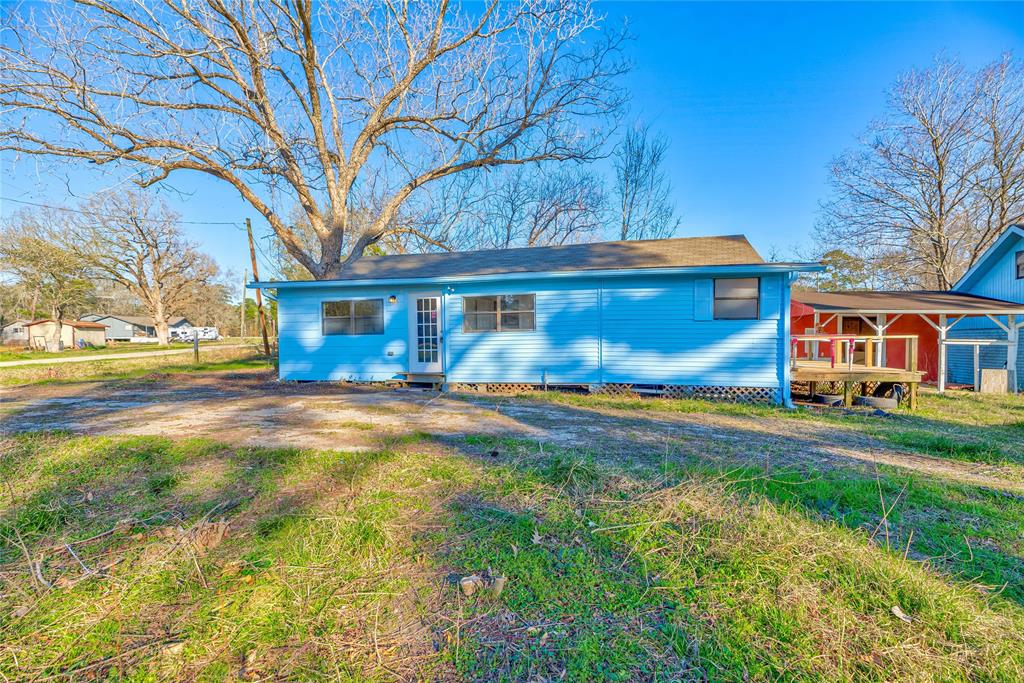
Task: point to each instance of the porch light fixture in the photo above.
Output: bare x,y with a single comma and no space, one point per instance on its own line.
392,299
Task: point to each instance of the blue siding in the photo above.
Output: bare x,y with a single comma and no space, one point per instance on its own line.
960,359
565,344
307,354
997,280
643,330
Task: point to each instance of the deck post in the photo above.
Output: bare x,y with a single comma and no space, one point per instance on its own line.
1013,337
848,394
977,368
913,396
943,330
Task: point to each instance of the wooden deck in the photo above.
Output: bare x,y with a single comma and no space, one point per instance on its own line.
838,368
822,371
814,371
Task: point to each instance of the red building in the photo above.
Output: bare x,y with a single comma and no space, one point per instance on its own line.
928,315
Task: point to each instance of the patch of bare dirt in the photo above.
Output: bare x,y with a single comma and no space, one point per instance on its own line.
253,408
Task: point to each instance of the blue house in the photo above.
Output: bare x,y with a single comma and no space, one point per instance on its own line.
998,274
705,316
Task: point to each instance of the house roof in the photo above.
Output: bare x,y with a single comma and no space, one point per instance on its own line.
1005,241
683,252
141,320
79,324
905,302
20,321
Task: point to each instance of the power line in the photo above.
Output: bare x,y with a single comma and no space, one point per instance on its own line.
97,214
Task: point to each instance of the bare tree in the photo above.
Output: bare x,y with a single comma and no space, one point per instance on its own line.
58,278
643,191
332,106
998,200
135,241
935,181
537,207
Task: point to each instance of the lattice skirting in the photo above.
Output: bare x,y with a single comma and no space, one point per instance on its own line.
716,393
711,393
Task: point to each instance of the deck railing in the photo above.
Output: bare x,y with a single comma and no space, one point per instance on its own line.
842,347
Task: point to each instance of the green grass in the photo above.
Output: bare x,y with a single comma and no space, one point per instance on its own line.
133,368
957,425
339,566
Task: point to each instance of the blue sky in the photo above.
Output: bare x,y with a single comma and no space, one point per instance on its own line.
756,98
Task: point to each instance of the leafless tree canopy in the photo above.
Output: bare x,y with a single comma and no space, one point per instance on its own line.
643,193
135,241
50,277
934,182
345,108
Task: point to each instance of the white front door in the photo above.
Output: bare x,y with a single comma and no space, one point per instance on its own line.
425,333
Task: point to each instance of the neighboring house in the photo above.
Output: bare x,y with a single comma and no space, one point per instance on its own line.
982,317
128,327
998,273
42,334
705,315
891,313
14,333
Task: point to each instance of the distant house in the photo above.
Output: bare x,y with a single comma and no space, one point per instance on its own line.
129,327
14,333
703,316
42,334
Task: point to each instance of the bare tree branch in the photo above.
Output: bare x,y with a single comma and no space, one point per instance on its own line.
336,107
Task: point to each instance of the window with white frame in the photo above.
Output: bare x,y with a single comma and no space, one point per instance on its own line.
1020,265
737,298
353,316
501,313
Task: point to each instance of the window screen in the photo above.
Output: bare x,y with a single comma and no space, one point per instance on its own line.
502,313
737,298
353,316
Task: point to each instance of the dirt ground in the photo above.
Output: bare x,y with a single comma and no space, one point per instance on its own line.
252,408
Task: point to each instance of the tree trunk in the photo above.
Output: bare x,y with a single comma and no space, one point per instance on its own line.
160,324
56,313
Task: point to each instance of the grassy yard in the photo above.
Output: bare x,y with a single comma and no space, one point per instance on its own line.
212,358
959,425
13,354
143,558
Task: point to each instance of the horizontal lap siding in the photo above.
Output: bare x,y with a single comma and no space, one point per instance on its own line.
307,354
1000,280
636,330
564,348
960,359
651,336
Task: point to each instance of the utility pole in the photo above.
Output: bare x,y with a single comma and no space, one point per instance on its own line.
259,295
241,308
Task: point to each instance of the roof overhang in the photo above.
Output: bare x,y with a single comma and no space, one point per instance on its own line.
739,269
956,304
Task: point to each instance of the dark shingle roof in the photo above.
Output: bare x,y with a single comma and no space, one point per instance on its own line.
897,302
665,253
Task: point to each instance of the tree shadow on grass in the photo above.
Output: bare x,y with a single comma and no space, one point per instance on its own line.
689,575
191,558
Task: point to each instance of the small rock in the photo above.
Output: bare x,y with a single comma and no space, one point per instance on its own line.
20,611
901,615
470,584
